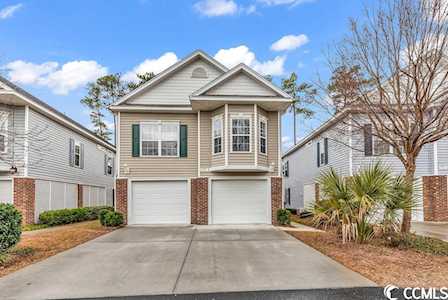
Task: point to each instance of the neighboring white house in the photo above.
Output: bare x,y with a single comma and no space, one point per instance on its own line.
47,160
336,144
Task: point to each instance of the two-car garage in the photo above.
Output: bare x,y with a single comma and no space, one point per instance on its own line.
244,201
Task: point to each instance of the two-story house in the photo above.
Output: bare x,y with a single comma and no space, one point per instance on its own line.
346,147
47,160
200,144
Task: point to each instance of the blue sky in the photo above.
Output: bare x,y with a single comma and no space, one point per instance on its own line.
53,48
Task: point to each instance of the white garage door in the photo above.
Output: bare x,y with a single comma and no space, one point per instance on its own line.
5,191
240,202
160,202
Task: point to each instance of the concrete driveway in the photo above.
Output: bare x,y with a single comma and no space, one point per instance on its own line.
176,260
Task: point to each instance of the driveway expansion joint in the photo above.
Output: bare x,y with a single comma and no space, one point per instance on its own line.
184,260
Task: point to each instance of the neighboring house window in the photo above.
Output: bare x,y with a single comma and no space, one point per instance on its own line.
77,153
109,165
285,168
288,196
373,145
160,139
263,136
217,134
3,131
241,134
322,152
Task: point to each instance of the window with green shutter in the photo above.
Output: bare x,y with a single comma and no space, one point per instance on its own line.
183,141
135,140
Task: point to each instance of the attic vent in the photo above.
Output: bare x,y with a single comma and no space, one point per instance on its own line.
199,73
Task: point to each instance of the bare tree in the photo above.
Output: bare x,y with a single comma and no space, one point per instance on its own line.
400,46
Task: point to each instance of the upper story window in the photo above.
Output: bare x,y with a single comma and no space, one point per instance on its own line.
263,135
199,72
77,152
322,152
241,134
285,169
217,134
160,139
373,145
109,165
3,131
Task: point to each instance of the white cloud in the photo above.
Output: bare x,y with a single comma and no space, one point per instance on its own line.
70,76
284,2
286,142
154,65
290,42
8,11
216,8
233,56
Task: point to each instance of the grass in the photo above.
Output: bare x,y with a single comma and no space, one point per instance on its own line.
37,246
419,243
408,263
31,227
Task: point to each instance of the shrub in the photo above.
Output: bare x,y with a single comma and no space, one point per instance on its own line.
102,215
284,217
10,226
112,219
71,215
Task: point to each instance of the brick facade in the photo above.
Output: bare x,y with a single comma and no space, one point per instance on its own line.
24,198
121,204
435,198
276,197
80,195
199,201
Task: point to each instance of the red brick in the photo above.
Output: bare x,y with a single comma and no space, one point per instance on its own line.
122,198
199,201
24,198
276,197
435,198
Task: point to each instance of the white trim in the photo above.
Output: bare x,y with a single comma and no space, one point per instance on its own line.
241,68
130,217
350,146
117,142
436,159
213,119
279,143
171,69
5,134
26,142
129,108
160,123
256,126
248,99
245,116
241,168
226,134
199,143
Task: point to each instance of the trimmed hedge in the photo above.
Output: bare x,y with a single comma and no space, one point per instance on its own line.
111,218
10,226
71,215
284,217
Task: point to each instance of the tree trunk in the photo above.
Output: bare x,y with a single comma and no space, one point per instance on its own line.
407,215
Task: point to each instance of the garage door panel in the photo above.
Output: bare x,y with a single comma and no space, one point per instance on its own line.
160,202
239,202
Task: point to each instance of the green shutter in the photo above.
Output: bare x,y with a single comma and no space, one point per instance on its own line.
135,140
183,141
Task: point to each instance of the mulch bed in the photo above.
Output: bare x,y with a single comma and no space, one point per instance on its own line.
380,263
41,245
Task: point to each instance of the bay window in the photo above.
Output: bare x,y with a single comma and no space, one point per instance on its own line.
241,134
217,134
263,135
160,139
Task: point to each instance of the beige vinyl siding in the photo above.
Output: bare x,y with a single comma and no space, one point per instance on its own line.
206,141
242,85
217,159
158,166
177,88
242,158
273,141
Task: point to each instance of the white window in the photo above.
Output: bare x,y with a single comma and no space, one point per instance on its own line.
263,136
381,147
160,139
77,155
217,134
241,134
3,131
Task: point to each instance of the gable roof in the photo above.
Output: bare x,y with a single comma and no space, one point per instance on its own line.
169,71
43,107
241,68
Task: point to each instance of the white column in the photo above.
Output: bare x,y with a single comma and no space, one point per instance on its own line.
255,127
199,143
226,134
25,143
